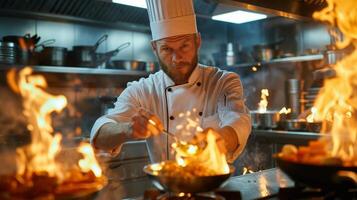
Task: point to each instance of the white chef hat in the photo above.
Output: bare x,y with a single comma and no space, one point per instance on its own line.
171,18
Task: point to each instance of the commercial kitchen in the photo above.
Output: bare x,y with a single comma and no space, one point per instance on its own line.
64,63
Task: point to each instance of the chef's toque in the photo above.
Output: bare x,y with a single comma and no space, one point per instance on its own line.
171,18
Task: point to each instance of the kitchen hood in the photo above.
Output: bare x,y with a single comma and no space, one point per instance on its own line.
295,9
106,12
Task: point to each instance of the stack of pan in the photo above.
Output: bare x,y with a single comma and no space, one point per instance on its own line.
8,53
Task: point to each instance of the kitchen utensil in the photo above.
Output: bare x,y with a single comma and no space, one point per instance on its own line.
265,120
53,56
84,55
293,125
8,52
293,89
105,57
262,53
127,64
178,184
325,176
314,127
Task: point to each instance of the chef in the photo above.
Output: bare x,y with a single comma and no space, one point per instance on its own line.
182,89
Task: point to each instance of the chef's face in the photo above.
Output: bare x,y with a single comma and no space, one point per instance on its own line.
178,56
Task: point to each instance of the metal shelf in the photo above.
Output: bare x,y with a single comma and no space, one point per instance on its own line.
279,60
81,70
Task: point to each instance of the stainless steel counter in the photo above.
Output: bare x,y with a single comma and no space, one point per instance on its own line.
263,184
285,134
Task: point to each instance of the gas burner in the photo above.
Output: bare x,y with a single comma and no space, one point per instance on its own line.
154,194
316,193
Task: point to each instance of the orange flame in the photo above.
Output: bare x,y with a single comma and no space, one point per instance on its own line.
89,163
285,111
208,156
246,170
263,104
337,101
39,156
311,118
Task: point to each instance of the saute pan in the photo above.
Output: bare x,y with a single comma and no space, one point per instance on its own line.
197,184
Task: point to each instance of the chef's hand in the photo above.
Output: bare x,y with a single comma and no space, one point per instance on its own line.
146,124
200,139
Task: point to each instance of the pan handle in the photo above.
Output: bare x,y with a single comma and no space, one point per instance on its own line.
45,43
100,41
122,46
118,49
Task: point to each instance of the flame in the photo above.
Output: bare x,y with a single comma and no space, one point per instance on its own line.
311,118
263,104
263,186
208,155
337,101
89,162
285,111
39,157
246,170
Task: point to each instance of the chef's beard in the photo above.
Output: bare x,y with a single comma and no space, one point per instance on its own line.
179,78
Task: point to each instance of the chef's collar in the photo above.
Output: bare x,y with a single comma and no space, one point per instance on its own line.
195,76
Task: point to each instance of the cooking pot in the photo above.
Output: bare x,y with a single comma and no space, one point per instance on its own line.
25,42
53,56
293,125
263,53
84,55
127,64
178,184
8,52
265,120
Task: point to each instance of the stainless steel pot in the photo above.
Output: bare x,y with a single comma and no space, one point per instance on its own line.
128,65
265,120
293,125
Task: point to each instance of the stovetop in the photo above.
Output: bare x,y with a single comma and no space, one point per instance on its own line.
154,194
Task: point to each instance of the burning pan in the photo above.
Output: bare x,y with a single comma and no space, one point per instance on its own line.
265,120
195,185
322,176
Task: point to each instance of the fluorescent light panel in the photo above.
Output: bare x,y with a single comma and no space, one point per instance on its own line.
239,17
135,3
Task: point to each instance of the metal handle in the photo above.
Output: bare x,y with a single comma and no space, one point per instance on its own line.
100,41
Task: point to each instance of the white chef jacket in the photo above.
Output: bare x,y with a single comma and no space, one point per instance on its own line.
216,95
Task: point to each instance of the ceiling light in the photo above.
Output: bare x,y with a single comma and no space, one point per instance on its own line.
135,3
239,17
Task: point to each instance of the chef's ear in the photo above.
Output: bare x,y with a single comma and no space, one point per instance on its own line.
153,46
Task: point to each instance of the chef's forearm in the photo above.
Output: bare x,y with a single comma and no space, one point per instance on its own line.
112,135
230,138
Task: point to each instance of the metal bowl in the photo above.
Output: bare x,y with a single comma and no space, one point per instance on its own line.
177,184
265,120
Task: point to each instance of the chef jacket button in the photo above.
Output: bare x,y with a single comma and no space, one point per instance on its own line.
169,89
198,84
200,113
172,117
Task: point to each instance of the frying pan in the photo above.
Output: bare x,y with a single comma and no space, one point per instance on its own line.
195,185
322,176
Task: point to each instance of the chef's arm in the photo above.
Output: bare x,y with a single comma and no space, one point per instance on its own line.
230,138
112,135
